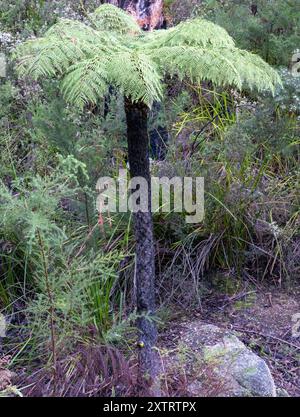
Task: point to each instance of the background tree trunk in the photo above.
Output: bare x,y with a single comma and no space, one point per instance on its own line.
148,13
138,156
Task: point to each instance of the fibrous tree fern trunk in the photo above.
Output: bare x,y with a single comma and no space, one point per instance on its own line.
148,14
138,156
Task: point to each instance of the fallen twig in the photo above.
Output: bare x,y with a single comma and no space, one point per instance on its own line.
267,336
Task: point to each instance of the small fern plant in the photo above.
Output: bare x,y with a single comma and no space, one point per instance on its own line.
111,50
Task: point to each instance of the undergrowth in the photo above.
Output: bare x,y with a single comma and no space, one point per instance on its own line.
66,287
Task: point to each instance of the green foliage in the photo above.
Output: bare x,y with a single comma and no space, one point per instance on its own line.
214,113
51,122
65,274
288,99
273,32
196,32
7,95
31,205
34,16
47,261
90,60
81,292
249,157
29,14
114,20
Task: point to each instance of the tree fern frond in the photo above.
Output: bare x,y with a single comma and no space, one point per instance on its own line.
136,76
197,64
222,66
48,57
78,31
254,71
68,27
65,44
86,82
111,18
196,32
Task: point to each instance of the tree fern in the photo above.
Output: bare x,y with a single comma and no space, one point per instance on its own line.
113,51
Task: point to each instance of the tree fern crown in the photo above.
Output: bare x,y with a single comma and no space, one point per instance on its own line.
112,50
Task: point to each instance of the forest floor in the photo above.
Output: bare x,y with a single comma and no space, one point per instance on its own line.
267,322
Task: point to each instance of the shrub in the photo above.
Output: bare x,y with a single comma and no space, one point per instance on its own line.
272,29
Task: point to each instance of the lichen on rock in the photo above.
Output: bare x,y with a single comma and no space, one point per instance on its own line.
238,370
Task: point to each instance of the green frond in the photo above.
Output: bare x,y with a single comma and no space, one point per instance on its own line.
136,75
86,82
68,28
48,57
196,32
254,71
197,64
111,18
79,32
90,59
222,66
66,43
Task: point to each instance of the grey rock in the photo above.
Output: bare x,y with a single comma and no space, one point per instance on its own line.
281,392
241,372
